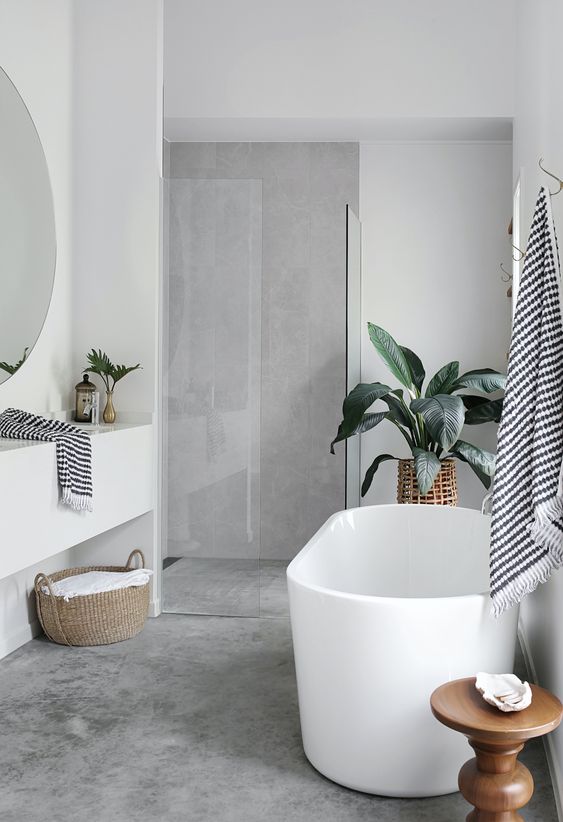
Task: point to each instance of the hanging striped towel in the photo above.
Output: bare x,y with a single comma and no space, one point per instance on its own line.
527,515
74,452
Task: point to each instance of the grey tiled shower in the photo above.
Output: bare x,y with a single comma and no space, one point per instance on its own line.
256,286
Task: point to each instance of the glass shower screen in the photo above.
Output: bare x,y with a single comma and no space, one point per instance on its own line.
353,345
213,240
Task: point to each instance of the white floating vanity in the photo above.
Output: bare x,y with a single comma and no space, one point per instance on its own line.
36,526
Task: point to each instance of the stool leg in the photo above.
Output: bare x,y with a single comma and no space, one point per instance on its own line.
495,782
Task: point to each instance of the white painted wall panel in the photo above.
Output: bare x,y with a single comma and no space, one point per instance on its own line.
91,75
434,229
326,59
538,132
117,145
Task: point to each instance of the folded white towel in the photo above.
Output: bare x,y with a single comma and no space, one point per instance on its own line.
94,582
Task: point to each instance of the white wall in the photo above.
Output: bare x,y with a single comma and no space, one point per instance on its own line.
36,53
117,151
538,131
117,148
434,229
326,58
91,76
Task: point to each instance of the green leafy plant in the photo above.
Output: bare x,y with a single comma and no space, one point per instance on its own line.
430,422
99,363
11,369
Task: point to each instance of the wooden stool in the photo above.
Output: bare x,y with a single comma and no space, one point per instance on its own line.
494,782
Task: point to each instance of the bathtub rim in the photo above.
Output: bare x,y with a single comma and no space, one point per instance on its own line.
293,567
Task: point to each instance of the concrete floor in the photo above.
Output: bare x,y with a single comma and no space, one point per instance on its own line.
194,720
225,587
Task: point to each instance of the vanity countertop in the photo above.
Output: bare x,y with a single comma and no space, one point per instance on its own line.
93,430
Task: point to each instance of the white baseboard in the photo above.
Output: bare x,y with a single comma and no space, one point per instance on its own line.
11,643
556,777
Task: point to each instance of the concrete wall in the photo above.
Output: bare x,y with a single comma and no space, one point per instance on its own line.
305,188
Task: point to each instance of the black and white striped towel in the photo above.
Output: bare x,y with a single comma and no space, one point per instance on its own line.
74,452
527,516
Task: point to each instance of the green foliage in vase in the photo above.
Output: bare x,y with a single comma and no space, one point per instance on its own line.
11,369
431,419
99,363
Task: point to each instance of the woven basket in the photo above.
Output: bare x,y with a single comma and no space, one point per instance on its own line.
95,619
443,492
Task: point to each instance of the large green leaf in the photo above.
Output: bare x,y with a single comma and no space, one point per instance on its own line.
443,380
100,362
484,411
443,416
367,422
120,371
483,379
427,467
359,400
372,469
471,400
391,354
482,462
416,367
397,408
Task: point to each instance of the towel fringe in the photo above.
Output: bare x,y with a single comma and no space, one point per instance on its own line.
514,591
546,512
79,502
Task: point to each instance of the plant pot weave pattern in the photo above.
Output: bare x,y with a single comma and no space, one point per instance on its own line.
443,492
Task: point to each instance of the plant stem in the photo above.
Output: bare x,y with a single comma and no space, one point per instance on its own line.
422,430
403,432
413,426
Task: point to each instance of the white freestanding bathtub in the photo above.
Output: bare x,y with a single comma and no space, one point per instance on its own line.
387,602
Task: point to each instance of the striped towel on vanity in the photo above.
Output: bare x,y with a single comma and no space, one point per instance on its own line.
74,452
527,516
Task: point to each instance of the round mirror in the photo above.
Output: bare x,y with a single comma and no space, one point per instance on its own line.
27,232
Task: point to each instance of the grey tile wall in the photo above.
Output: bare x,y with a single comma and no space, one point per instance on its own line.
305,188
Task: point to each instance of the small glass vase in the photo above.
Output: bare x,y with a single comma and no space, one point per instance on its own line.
109,411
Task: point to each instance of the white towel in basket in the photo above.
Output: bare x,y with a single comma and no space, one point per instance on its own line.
94,582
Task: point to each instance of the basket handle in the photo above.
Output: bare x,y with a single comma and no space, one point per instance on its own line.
137,552
37,584
39,580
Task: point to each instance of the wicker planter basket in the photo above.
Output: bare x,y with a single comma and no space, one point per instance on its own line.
443,492
95,619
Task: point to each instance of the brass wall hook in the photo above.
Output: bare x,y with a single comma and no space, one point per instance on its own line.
553,193
507,276
519,250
